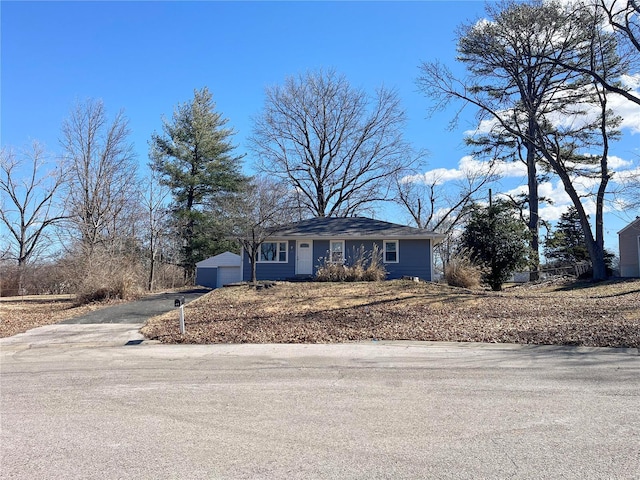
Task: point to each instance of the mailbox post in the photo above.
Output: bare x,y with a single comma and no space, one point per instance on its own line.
179,303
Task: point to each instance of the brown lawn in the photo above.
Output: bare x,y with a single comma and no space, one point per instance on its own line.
559,313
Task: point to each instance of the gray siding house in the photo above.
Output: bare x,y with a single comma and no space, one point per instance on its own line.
629,243
298,249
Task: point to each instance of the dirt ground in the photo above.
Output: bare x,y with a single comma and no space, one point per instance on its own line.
558,312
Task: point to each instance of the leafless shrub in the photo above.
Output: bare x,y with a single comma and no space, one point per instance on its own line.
462,272
331,272
375,271
362,266
105,276
9,280
168,276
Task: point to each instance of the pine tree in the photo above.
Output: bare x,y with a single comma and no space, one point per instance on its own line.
496,241
567,245
196,159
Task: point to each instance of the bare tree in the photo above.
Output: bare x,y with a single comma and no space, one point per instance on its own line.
266,204
157,215
102,173
432,206
28,202
337,146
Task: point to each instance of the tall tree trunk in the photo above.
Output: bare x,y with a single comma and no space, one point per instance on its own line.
152,270
595,248
254,277
534,201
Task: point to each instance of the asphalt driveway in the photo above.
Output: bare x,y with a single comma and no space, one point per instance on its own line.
112,326
138,311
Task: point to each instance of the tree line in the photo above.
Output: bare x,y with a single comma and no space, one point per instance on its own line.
539,77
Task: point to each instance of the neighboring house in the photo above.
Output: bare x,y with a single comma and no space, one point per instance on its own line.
298,249
218,271
629,243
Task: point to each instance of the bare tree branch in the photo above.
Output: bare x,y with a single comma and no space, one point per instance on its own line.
332,143
102,173
28,200
266,204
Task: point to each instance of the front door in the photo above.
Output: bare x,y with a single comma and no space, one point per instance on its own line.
304,257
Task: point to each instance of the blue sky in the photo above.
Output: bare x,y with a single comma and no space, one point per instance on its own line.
145,57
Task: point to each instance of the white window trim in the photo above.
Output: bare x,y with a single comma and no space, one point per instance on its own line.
344,254
277,260
384,251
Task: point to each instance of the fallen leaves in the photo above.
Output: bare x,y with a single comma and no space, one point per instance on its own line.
556,313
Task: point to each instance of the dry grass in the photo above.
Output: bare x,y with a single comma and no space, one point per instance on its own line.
19,314
606,314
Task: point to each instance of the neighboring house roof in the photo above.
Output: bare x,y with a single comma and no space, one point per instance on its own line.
226,259
350,227
634,224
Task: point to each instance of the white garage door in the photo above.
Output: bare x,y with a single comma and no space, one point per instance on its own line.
228,275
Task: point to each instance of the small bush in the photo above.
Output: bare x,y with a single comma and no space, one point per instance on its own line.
362,266
462,272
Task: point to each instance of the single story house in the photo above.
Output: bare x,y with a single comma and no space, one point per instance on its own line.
629,243
218,271
298,249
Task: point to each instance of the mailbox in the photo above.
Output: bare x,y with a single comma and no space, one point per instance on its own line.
179,301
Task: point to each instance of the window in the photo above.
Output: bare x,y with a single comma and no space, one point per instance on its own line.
273,252
337,251
390,251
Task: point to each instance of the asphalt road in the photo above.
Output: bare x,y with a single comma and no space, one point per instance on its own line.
355,411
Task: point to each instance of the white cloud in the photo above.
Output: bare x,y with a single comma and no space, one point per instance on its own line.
617,163
558,200
552,213
511,169
627,176
554,192
468,167
631,81
436,176
627,110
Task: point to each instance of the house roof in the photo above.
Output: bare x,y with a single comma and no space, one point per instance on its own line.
634,224
226,259
352,227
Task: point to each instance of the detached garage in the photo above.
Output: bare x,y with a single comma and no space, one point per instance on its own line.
218,271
